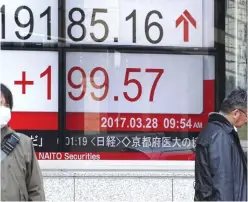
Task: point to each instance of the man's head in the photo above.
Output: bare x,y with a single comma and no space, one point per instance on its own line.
6,97
6,105
234,107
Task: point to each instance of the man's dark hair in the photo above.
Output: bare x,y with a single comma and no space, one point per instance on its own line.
8,95
237,99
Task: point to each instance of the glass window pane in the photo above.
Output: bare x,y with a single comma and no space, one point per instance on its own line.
236,49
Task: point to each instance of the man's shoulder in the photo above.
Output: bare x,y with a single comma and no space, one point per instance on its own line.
22,144
25,146
24,140
210,133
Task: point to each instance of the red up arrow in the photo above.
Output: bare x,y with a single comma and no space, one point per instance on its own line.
186,18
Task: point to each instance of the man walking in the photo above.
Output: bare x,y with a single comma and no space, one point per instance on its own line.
220,164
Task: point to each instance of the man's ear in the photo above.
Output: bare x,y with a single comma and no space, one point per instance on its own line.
235,113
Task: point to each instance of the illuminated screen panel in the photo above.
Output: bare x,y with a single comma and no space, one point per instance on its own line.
32,76
133,92
121,103
29,21
119,106
178,23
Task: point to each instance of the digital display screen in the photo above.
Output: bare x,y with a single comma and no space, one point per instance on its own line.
109,80
32,77
180,23
133,92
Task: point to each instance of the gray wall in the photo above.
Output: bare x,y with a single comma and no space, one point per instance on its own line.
119,186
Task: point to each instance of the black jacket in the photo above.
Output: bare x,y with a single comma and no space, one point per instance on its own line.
220,164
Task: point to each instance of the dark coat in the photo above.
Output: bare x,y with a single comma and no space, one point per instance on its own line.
220,164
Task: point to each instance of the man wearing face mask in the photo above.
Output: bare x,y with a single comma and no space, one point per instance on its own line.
21,178
221,164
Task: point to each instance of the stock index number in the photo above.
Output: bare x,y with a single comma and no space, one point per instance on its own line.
94,21
29,24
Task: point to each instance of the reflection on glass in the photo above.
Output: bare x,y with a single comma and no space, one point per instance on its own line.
236,48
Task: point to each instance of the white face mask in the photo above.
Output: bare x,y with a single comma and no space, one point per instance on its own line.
5,116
